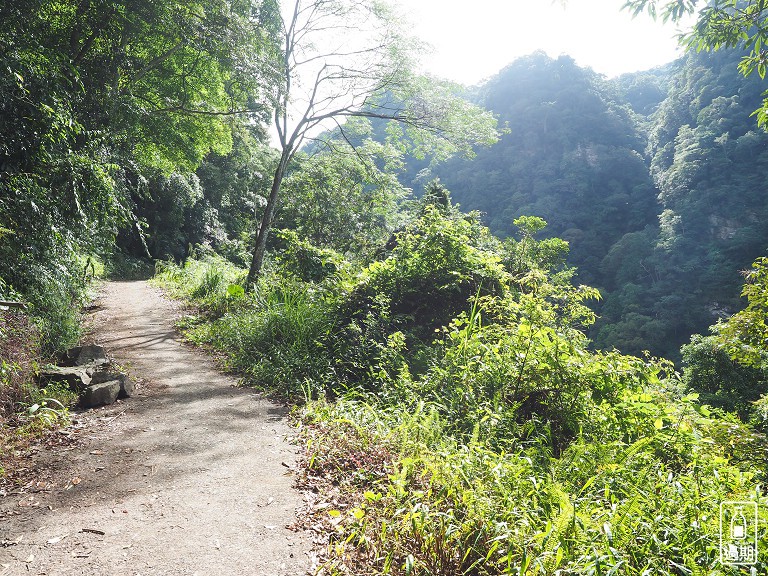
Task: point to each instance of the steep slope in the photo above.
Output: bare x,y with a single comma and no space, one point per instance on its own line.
573,156
709,161
656,179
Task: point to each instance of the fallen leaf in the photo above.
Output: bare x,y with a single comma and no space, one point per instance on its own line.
96,452
56,540
76,480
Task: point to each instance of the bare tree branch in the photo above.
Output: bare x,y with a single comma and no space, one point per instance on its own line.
348,54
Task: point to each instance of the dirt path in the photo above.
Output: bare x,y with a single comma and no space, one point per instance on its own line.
191,477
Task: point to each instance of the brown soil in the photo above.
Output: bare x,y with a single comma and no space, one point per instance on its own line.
192,476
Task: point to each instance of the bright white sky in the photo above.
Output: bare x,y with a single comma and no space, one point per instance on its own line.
475,39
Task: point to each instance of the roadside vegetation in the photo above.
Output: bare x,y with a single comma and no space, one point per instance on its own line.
455,419
27,412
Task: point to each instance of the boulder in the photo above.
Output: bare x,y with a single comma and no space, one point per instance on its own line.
107,373
100,394
69,357
88,371
127,387
75,378
92,355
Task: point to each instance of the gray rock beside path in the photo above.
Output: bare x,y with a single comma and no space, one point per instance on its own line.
93,355
108,373
89,372
90,355
76,378
100,394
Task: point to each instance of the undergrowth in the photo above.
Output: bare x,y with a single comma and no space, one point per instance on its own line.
456,421
441,507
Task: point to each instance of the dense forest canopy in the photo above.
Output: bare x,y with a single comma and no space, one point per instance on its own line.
147,126
104,108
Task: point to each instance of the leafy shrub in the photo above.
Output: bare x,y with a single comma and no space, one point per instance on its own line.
436,266
502,381
745,334
721,381
299,258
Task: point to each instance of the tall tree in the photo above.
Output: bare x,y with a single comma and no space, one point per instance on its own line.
349,58
98,97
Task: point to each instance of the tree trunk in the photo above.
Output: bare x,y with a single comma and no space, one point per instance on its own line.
260,247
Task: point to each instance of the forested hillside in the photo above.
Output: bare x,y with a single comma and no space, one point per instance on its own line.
655,179
573,156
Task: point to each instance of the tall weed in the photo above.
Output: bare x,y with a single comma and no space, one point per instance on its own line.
277,342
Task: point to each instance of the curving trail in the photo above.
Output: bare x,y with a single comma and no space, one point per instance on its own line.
190,477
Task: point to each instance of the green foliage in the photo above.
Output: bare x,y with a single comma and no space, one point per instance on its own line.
429,505
121,266
472,430
433,267
573,155
45,409
277,342
299,258
19,354
529,371
100,107
653,179
721,381
729,368
725,24
436,264
272,335
213,206
343,198
745,334
677,277
209,282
